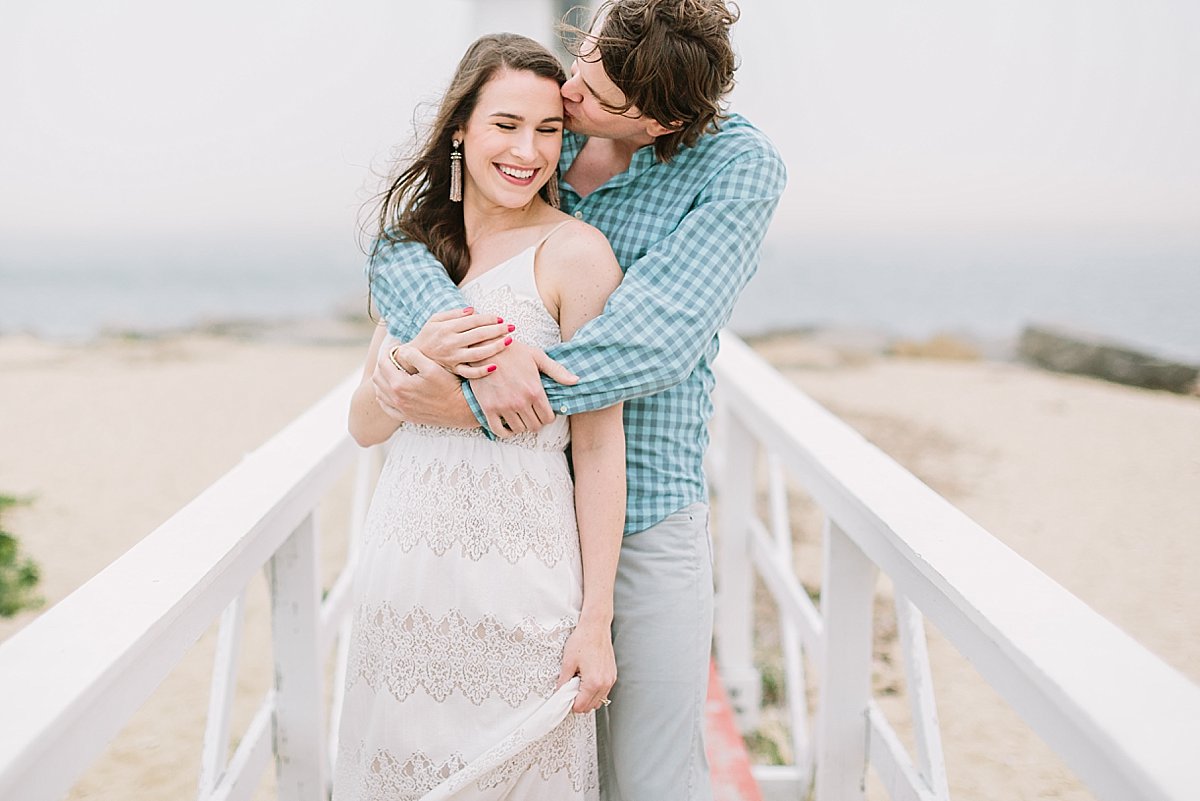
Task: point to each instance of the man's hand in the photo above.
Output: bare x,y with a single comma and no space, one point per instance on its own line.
589,655
463,341
420,391
512,396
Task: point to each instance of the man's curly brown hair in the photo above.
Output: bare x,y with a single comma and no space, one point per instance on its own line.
672,59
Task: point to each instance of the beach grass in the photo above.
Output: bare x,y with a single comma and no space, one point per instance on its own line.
19,574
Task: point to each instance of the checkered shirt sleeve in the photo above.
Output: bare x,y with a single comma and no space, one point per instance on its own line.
673,300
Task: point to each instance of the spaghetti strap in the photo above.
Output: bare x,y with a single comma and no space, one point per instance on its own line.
550,233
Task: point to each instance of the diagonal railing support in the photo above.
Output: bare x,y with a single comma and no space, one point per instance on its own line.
931,763
214,756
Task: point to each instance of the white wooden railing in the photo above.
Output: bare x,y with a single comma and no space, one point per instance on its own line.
71,680
1126,723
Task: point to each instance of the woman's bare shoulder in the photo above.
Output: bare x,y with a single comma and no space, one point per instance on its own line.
574,242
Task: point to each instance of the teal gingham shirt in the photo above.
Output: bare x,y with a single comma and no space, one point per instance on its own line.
687,234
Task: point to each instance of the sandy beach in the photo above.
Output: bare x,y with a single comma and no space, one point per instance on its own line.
108,440
1096,484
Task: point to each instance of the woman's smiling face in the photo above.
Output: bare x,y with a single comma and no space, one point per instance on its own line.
513,139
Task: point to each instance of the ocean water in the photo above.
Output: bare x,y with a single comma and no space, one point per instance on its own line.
1141,291
78,290
1145,293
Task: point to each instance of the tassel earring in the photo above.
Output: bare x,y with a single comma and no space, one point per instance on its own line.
455,171
552,190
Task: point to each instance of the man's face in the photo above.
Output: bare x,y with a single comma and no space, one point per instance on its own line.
585,114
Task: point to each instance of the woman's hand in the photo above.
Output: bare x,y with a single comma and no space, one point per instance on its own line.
589,655
463,341
408,387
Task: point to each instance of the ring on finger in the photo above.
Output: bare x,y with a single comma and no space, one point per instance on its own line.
394,360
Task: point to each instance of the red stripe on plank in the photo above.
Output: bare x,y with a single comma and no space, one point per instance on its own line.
727,758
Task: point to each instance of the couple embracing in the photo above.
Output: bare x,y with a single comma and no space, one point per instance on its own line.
533,603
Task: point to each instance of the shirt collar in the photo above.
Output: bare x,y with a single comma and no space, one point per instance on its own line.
643,159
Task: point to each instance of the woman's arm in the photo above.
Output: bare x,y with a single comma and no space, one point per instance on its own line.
579,272
369,424
598,455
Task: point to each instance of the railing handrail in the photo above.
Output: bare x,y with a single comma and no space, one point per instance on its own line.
70,680
1126,722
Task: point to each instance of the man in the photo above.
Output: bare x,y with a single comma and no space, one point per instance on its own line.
684,195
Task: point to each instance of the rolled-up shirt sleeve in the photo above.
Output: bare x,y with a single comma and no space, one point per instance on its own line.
408,286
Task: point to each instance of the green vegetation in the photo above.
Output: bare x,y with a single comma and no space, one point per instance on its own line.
18,573
763,748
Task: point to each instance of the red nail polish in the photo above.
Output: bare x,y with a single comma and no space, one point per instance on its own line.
508,340
511,328
491,368
469,310
499,320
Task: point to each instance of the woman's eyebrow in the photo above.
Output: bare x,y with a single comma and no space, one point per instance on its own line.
519,118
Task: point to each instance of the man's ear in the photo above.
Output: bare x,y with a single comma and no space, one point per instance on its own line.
656,128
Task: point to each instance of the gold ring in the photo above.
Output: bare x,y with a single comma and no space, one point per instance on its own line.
395,361
605,701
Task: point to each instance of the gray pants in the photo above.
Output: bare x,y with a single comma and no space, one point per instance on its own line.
651,737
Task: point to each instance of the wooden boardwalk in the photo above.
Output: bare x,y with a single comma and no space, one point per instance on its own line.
727,757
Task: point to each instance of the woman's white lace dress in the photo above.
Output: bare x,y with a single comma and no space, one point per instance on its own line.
469,583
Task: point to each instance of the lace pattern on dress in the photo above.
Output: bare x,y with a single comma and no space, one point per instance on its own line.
476,509
571,746
401,653
545,440
534,325
385,778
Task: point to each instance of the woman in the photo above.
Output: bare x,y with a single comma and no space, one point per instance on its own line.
483,570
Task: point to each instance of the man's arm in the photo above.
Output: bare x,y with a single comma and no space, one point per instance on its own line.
674,299
408,286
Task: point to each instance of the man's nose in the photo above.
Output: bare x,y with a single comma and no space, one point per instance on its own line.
573,89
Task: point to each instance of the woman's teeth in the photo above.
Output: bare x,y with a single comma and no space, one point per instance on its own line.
523,175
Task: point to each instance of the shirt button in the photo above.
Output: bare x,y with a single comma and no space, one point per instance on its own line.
579,215
562,409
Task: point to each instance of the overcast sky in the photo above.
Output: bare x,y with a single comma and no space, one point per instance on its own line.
137,118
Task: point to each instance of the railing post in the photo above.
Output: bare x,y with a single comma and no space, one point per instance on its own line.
847,596
735,578
299,727
366,474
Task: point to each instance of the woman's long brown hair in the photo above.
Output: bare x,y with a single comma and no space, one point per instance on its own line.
416,204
